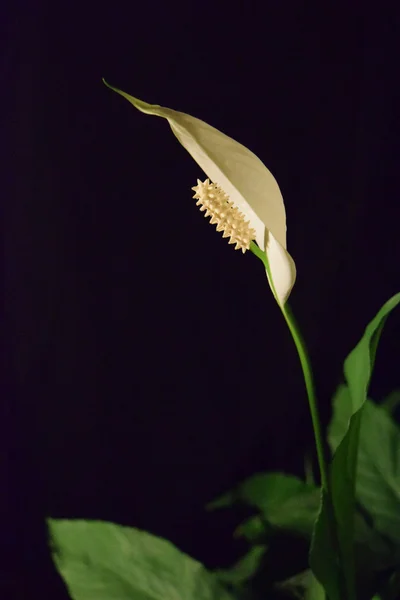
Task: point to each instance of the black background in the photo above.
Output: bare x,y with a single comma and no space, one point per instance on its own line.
148,368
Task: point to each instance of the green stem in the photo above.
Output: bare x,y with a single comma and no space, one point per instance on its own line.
307,371
312,399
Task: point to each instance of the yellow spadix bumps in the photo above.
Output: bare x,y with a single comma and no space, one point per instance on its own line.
224,214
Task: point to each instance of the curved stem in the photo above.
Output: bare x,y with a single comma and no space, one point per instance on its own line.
312,398
307,371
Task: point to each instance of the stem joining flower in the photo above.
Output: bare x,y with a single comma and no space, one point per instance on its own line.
217,204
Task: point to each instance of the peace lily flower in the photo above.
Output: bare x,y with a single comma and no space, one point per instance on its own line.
240,194
243,199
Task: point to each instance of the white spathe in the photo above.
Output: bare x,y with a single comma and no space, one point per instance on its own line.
244,178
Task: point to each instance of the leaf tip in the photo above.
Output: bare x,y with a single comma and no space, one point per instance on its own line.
106,83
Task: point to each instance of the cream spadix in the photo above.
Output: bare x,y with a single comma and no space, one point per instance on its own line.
244,179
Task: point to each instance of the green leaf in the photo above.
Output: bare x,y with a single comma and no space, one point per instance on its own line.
342,412
332,551
245,568
325,560
254,529
104,561
285,501
374,553
378,477
359,364
378,474
314,590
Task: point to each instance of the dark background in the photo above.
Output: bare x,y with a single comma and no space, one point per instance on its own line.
148,368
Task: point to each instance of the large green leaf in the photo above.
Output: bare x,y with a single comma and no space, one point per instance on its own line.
374,553
104,561
359,364
378,477
284,501
378,474
332,551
